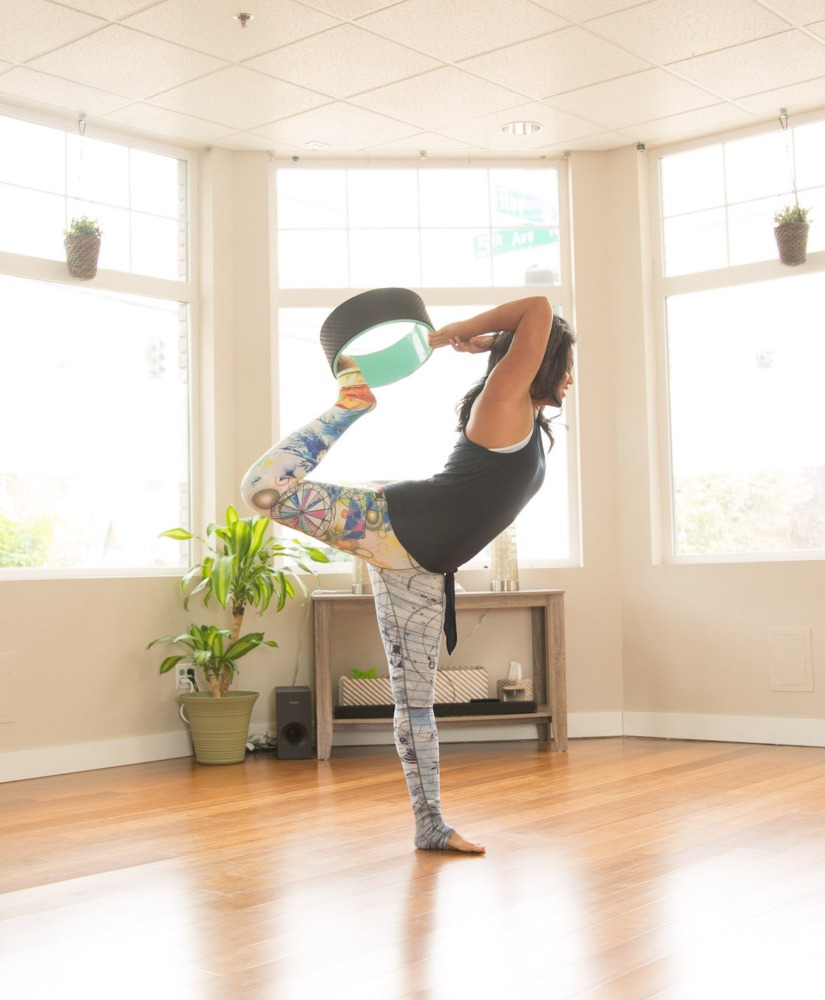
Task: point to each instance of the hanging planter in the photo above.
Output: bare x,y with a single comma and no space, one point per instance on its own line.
82,243
791,234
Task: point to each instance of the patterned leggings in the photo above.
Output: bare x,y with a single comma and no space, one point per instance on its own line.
409,601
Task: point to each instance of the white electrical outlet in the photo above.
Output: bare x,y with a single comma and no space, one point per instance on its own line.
182,679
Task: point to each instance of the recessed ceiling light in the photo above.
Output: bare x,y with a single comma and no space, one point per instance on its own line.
521,128
316,144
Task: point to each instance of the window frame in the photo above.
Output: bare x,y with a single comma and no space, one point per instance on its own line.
663,287
482,296
183,291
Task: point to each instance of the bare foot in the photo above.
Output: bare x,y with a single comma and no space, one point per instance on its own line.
458,843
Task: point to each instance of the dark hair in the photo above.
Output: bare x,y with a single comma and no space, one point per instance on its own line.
554,366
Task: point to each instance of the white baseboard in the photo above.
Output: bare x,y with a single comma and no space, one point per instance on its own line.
22,764
44,761
581,725
726,728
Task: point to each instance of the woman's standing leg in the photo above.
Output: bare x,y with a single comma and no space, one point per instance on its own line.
410,609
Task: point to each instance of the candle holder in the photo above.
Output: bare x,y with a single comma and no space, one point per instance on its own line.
504,561
360,576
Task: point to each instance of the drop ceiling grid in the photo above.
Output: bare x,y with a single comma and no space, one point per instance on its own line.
451,30
387,74
216,98
209,25
22,36
318,63
566,60
665,31
126,62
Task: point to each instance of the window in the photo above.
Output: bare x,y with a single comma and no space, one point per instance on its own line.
94,458
745,350
450,228
718,201
49,176
449,231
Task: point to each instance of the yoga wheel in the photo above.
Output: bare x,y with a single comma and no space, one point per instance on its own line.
384,331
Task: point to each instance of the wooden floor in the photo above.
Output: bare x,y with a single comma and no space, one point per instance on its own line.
625,869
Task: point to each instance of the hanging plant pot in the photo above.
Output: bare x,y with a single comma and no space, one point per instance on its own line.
82,253
792,241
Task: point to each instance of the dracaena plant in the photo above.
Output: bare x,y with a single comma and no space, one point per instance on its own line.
205,644
245,566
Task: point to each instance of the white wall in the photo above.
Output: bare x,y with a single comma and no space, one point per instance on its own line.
695,646
662,650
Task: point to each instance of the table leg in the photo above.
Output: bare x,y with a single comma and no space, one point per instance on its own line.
323,684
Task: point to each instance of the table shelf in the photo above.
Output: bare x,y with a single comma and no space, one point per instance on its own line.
549,666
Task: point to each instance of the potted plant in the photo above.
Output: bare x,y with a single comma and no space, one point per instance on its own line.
239,571
791,234
82,243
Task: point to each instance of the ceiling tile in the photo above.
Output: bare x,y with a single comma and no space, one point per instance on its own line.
111,10
340,125
438,98
557,128
161,121
666,30
580,11
603,141
638,98
245,141
818,28
704,121
210,26
326,62
427,142
126,62
348,9
57,92
798,12
454,29
753,67
565,60
31,27
238,98
797,98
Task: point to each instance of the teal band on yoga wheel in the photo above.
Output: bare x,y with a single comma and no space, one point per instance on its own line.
394,362
384,331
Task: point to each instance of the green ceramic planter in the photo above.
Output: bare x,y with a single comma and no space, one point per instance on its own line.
219,726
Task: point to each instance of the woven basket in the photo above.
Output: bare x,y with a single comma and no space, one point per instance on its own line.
81,256
792,241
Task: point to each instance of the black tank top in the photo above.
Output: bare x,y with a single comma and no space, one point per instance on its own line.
446,520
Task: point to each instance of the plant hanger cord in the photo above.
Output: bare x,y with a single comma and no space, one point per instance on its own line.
783,121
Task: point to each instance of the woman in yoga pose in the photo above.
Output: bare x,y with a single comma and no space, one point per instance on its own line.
415,534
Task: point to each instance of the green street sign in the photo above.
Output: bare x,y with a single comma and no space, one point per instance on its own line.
509,240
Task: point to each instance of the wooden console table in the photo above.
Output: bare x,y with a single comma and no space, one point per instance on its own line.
549,678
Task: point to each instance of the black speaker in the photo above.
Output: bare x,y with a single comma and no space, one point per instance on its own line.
293,717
